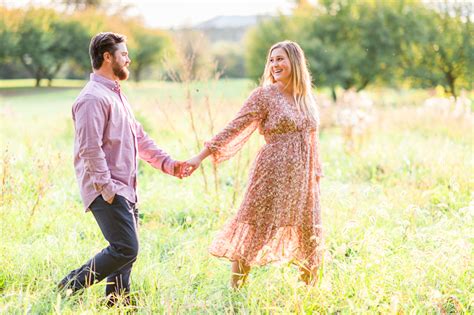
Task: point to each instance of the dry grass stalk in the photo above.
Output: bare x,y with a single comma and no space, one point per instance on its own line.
41,188
184,73
6,178
211,131
173,128
189,109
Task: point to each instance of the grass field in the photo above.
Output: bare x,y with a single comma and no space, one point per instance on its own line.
398,212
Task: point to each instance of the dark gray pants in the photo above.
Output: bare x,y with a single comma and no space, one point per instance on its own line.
118,223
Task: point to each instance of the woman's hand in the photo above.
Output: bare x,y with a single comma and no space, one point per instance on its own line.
191,165
188,167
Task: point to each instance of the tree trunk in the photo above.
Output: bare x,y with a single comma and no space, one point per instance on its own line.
333,93
451,83
36,73
53,73
38,78
447,68
363,85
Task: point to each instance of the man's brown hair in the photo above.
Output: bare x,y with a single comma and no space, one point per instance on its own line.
101,43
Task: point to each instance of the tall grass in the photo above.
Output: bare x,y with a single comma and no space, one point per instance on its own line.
398,213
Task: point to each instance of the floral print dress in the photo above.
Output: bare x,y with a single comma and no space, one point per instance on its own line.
279,219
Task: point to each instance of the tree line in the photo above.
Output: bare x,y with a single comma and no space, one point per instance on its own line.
349,44
354,44
43,41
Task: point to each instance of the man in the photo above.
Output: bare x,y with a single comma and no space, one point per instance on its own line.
107,142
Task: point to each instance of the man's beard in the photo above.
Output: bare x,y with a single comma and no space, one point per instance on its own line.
120,72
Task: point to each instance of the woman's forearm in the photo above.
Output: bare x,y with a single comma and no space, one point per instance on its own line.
204,153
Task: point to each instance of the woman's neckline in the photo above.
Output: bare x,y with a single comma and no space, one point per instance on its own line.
286,97
281,90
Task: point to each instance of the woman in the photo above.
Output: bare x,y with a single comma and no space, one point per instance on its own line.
279,219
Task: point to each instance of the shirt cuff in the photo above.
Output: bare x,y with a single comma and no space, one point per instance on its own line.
168,166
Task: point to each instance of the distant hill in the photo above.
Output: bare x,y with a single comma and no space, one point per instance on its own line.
229,28
231,21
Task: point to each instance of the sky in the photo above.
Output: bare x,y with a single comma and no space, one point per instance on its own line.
176,13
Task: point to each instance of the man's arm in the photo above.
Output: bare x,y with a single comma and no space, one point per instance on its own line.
150,152
90,117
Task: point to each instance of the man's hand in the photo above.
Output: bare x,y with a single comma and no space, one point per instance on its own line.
178,169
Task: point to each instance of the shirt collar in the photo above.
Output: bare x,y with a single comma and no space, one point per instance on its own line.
111,84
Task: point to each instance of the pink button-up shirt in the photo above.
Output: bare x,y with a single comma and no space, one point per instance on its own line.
108,141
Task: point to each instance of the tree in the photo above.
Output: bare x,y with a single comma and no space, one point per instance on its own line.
381,36
112,7
146,47
10,67
331,43
80,5
72,41
46,42
230,59
347,44
92,22
7,34
189,58
36,42
259,40
350,44
442,53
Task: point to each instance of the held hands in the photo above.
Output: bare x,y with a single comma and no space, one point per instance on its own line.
192,165
184,169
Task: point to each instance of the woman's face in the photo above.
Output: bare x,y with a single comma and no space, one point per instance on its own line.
280,66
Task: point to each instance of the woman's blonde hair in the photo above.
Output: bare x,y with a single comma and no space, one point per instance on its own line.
300,80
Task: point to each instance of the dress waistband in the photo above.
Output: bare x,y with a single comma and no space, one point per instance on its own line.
287,136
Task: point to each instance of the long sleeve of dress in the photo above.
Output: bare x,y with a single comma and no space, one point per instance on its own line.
230,140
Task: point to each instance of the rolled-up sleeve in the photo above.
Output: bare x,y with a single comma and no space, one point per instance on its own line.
90,117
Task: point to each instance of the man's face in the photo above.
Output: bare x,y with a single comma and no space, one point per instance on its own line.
120,62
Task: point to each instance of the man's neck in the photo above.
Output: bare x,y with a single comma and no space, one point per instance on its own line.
106,74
